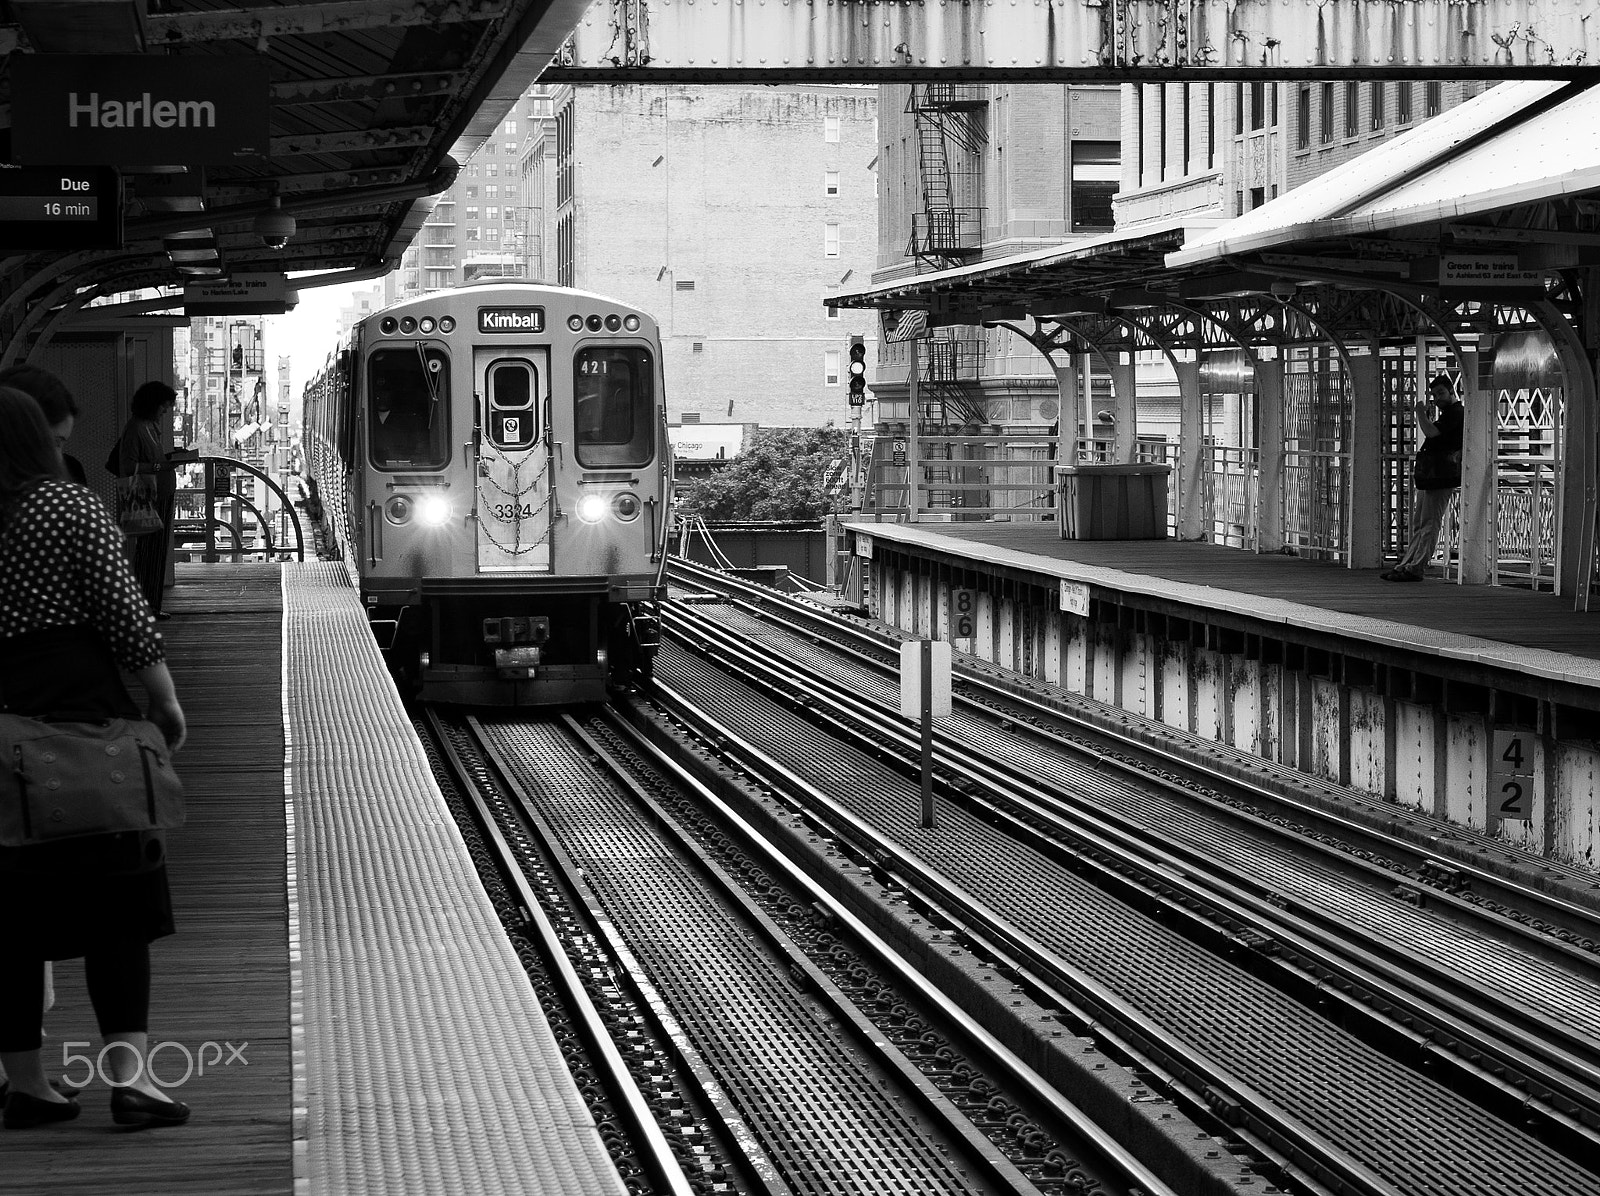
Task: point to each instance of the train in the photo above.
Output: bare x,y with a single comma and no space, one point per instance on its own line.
493,466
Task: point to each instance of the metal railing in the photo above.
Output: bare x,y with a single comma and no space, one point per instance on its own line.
219,506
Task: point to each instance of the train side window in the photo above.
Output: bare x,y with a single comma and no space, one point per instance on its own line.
512,390
408,408
614,406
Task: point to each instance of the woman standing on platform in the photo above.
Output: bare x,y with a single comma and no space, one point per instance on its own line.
142,449
71,616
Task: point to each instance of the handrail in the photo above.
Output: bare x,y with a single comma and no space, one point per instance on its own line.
210,554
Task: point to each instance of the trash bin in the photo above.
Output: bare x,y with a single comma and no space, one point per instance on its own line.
1113,502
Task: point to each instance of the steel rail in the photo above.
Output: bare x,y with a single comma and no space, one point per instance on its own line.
1453,873
1005,1063
1506,1034
642,1127
1309,1150
982,1151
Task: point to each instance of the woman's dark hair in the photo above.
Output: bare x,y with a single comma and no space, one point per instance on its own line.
48,391
151,398
28,453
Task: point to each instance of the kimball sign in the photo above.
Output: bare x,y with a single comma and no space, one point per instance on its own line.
132,110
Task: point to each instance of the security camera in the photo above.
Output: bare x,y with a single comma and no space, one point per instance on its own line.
275,226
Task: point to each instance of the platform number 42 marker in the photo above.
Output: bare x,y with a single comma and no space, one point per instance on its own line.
1511,776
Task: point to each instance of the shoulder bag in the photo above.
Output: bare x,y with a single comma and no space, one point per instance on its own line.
136,505
68,780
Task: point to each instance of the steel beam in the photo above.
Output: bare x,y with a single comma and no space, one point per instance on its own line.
770,41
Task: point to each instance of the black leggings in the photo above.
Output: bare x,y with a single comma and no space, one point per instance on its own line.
118,977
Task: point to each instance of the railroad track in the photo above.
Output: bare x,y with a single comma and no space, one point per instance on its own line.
724,1031
1309,932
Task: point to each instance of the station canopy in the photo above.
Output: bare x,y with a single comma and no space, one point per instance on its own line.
1486,199
369,106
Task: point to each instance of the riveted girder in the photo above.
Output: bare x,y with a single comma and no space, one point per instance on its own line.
1076,40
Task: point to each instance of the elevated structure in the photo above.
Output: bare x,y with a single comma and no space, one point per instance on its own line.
1076,41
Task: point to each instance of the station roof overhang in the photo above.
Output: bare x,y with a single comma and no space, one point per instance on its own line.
1508,182
371,105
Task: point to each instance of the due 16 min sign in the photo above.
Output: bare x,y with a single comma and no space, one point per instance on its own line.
60,208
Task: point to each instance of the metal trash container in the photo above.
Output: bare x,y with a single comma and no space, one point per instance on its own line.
1113,502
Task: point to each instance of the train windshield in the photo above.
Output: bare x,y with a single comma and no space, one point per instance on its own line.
408,406
614,390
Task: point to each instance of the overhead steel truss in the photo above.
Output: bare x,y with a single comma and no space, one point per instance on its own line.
1076,40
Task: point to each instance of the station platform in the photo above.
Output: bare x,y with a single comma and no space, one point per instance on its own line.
1478,705
374,1030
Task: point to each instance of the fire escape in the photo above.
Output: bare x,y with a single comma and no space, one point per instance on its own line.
949,120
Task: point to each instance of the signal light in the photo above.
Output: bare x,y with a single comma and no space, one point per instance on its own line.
857,371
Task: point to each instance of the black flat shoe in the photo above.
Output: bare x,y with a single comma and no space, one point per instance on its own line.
135,1108
24,1112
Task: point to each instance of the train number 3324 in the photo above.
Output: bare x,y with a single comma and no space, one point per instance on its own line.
509,512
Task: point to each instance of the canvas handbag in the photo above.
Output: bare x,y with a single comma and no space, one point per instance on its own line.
136,505
67,780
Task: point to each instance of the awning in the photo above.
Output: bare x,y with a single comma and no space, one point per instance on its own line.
1515,143
1110,260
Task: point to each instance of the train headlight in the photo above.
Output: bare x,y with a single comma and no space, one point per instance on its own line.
408,324
592,508
447,323
425,324
626,506
631,323
575,323
595,323
613,323
433,510
398,509
387,325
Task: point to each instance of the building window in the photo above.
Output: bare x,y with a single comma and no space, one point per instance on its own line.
491,213
511,192
1096,173
1327,113
1352,109
833,312
830,182
491,191
472,193
830,128
1302,118
830,240
472,234
491,233
1211,126
1238,203
472,212
1274,121
1258,104
491,171
1161,130
1402,103
1238,109
1377,105
510,127
1258,196
1431,98
488,147
830,367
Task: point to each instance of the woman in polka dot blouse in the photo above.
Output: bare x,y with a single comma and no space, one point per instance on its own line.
72,618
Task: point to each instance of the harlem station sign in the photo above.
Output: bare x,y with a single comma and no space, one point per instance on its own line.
129,110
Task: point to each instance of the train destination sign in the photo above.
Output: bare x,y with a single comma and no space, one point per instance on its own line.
64,208
511,319
130,110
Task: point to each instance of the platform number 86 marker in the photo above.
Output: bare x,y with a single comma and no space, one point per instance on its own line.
1511,776
963,614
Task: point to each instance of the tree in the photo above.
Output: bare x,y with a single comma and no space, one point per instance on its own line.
779,476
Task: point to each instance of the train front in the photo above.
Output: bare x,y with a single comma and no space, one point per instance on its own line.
515,502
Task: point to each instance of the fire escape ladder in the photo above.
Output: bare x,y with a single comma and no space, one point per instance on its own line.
946,232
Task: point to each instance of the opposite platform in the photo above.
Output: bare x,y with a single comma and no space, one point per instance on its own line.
332,930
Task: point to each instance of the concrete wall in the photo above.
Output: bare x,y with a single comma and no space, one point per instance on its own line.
707,207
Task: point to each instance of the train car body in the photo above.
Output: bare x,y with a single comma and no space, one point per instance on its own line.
495,458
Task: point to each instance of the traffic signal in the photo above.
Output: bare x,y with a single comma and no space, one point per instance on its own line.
858,372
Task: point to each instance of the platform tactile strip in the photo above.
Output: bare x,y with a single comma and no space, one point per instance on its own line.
423,1059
